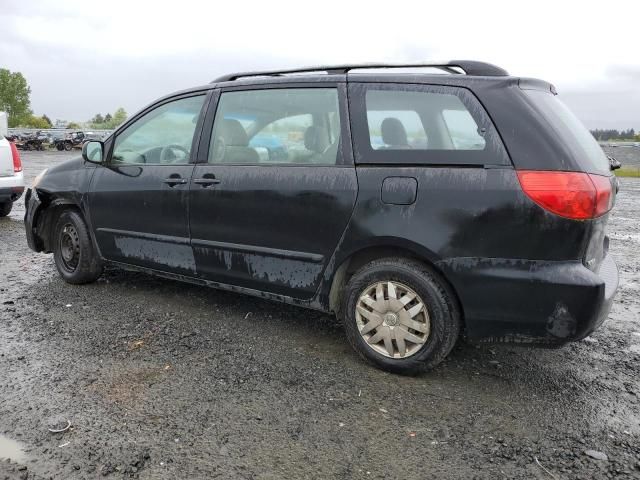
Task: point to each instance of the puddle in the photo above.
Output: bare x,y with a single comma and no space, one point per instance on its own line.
11,449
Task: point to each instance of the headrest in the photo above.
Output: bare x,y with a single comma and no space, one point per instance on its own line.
233,133
393,132
315,139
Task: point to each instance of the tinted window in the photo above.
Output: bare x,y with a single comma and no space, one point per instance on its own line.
406,119
585,148
162,136
463,130
295,126
410,120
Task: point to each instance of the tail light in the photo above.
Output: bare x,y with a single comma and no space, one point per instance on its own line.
575,195
17,164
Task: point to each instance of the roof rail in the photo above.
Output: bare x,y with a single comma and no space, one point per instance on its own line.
469,67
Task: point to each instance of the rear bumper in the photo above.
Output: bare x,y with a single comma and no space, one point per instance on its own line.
532,301
11,188
32,207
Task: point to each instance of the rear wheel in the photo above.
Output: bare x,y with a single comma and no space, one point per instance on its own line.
5,208
60,146
73,252
68,146
400,316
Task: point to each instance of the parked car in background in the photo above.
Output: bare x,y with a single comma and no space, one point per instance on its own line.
11,177
425,208
275,147
70,141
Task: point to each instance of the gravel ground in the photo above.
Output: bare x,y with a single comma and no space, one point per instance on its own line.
167,380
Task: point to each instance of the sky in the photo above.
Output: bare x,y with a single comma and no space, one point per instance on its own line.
82,57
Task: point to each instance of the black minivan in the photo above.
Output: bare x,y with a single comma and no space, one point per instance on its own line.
451,200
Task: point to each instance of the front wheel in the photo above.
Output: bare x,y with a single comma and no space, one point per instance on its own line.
400,315
73,252
5,208
68,146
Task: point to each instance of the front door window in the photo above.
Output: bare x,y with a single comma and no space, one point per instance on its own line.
161,136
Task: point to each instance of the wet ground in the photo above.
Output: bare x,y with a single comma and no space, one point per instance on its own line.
166,380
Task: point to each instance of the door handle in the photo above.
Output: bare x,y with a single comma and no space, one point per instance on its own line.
206,181
174,180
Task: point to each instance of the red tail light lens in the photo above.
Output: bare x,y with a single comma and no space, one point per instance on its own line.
17,164
575,195
604,194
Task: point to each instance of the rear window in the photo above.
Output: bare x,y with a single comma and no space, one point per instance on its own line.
584,147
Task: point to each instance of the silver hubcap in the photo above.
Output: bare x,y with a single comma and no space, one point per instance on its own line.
392,319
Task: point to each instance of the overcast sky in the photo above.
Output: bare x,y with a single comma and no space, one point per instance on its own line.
81,57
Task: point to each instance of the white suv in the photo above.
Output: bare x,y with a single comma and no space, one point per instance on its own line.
11,179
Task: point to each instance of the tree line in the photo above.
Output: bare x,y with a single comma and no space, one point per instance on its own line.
15,100
612,134
109,122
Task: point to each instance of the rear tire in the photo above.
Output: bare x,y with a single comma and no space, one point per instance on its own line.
73,252
416,313
68,146
5,208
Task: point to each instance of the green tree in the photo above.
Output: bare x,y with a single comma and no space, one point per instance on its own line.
31,121
73,126
98,119
14,96
107,118
48,120
120,116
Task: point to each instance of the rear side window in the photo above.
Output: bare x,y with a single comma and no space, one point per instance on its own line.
400,120
426,124
383,122
584,147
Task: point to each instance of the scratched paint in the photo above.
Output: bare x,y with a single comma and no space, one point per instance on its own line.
161,253
561,324
268,269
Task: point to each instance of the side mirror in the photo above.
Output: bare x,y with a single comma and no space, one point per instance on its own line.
93,151
613,163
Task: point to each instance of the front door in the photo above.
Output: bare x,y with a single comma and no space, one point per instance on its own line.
270,204
138,199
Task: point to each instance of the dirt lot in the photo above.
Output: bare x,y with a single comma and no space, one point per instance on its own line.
165,380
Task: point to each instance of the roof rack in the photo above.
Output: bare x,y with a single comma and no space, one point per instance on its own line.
469,67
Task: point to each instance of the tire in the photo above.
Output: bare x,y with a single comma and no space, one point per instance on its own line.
59,146
5,208
438,321
73,252
68,146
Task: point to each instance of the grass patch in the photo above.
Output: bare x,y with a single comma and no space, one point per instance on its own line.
628,172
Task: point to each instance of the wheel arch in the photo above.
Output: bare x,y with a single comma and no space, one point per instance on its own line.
49,214
400,248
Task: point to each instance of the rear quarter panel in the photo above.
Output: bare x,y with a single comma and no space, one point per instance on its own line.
460,212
